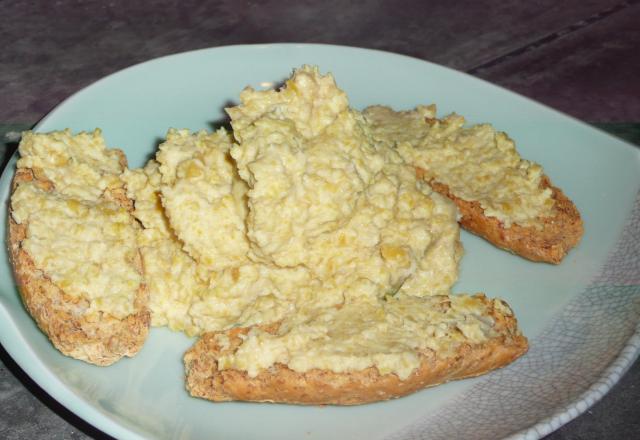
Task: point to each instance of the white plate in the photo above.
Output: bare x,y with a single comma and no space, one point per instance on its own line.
581,316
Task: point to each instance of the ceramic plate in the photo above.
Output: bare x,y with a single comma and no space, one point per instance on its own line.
581,316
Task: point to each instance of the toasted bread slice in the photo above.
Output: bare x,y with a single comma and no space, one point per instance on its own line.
503,198
559,233
71,321
279,383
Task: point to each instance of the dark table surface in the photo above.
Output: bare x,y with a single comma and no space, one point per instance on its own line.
578,56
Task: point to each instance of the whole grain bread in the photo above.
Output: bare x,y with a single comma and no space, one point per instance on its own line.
281,384
60,316
559,234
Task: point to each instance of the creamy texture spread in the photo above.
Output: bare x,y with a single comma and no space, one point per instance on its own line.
324,197
386,334
185,294
79,166
203,197
170,273
309,215
300,212
477,163
81,240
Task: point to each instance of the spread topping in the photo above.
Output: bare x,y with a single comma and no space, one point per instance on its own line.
477,163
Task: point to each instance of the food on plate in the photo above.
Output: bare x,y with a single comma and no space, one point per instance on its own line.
170,273
185,293
323,197
203,197
380,321
303,248
201,222
358,353
505,199
73,248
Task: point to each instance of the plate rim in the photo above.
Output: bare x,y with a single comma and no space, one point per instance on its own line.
44,378
605,382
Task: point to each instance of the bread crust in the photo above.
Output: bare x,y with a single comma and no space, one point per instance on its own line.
558,236
60,316
281,384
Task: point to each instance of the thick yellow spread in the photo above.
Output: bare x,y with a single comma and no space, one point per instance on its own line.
324,197
83,242
309,214
79,166
203,197
387,334
170,273
477,163
185,294
298,213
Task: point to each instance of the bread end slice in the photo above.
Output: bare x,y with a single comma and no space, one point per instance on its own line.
558,236
281,384
60,316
